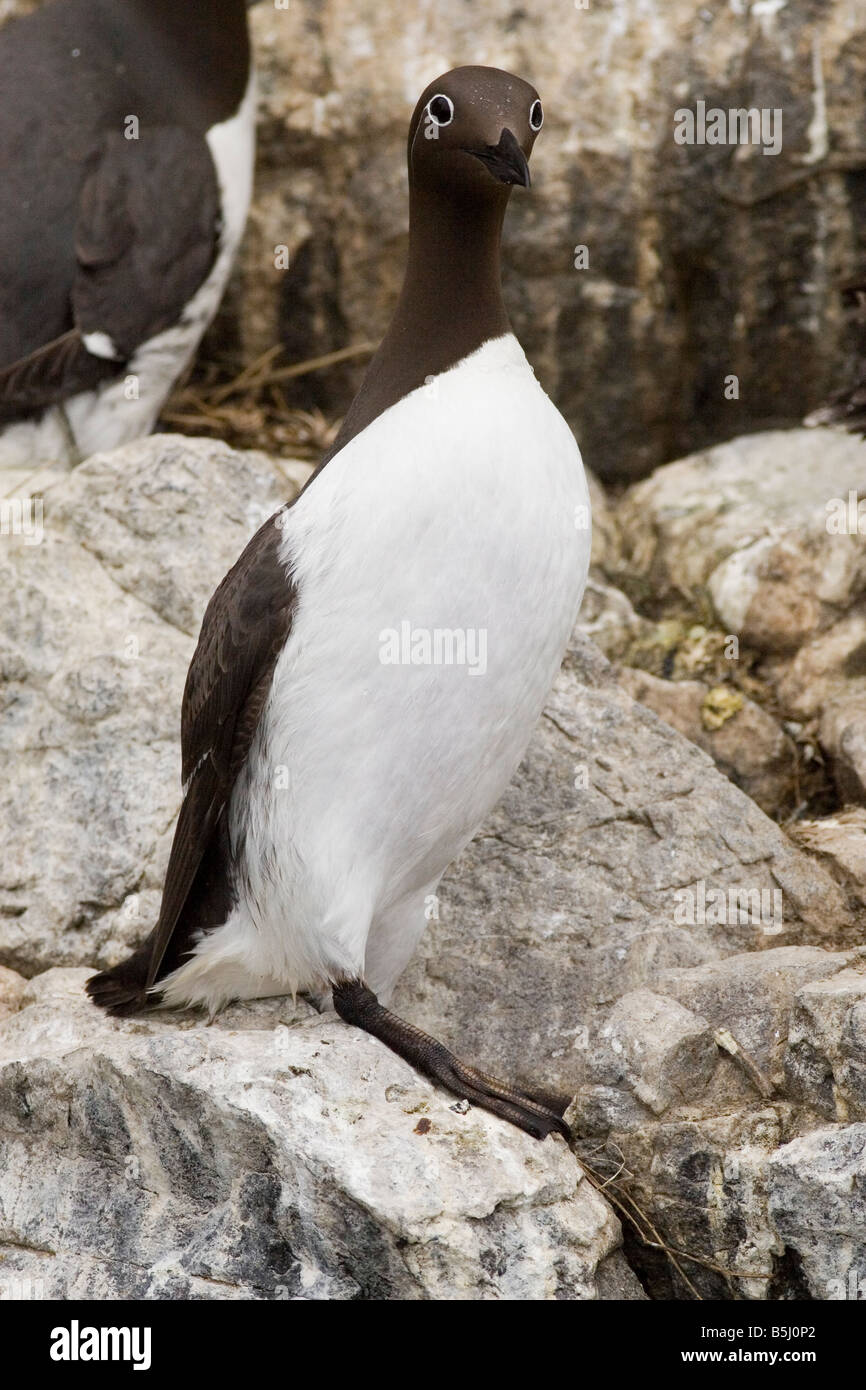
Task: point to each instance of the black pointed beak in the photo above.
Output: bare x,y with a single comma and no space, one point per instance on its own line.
506,161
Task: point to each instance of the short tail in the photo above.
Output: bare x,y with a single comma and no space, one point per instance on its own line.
123,990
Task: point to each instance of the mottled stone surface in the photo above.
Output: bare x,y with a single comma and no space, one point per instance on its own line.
608,618
842,731
751,996
652,1048
746,524
748,746
733,1160
818,1205
840,842
830,663
271,1156
826,1062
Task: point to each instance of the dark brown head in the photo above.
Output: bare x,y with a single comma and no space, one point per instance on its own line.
472,133
470,139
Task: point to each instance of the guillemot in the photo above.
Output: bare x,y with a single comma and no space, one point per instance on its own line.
327,786
127,146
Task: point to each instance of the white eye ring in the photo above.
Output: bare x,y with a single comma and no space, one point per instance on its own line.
536,115
443,117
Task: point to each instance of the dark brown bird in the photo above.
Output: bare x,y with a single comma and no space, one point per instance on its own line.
126,145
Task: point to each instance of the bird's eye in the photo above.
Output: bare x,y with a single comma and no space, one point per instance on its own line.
536,115
440,109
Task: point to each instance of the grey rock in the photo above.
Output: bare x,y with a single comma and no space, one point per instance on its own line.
828,664
826,1059
616,1281
842,732
817,1201
748,745
840,843
271,1156
747,523
713,1169
608,618
752,995
167,525
655,1048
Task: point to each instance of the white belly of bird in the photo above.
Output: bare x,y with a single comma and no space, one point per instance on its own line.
439,560
127,407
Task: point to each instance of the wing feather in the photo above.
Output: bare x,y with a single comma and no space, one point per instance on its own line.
245,627
146,237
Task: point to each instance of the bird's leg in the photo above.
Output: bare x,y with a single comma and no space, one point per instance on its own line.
71,441
357,1004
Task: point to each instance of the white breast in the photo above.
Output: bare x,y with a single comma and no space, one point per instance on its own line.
461,511
114,414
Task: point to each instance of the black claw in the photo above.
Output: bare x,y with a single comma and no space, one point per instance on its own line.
118,997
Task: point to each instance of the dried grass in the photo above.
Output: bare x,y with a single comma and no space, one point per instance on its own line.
615,1189
248,408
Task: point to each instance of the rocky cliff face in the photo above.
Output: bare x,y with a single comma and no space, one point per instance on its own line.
666,916
704,261
628,926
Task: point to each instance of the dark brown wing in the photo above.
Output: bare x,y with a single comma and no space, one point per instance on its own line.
147,234
245,627
146,237
52,373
